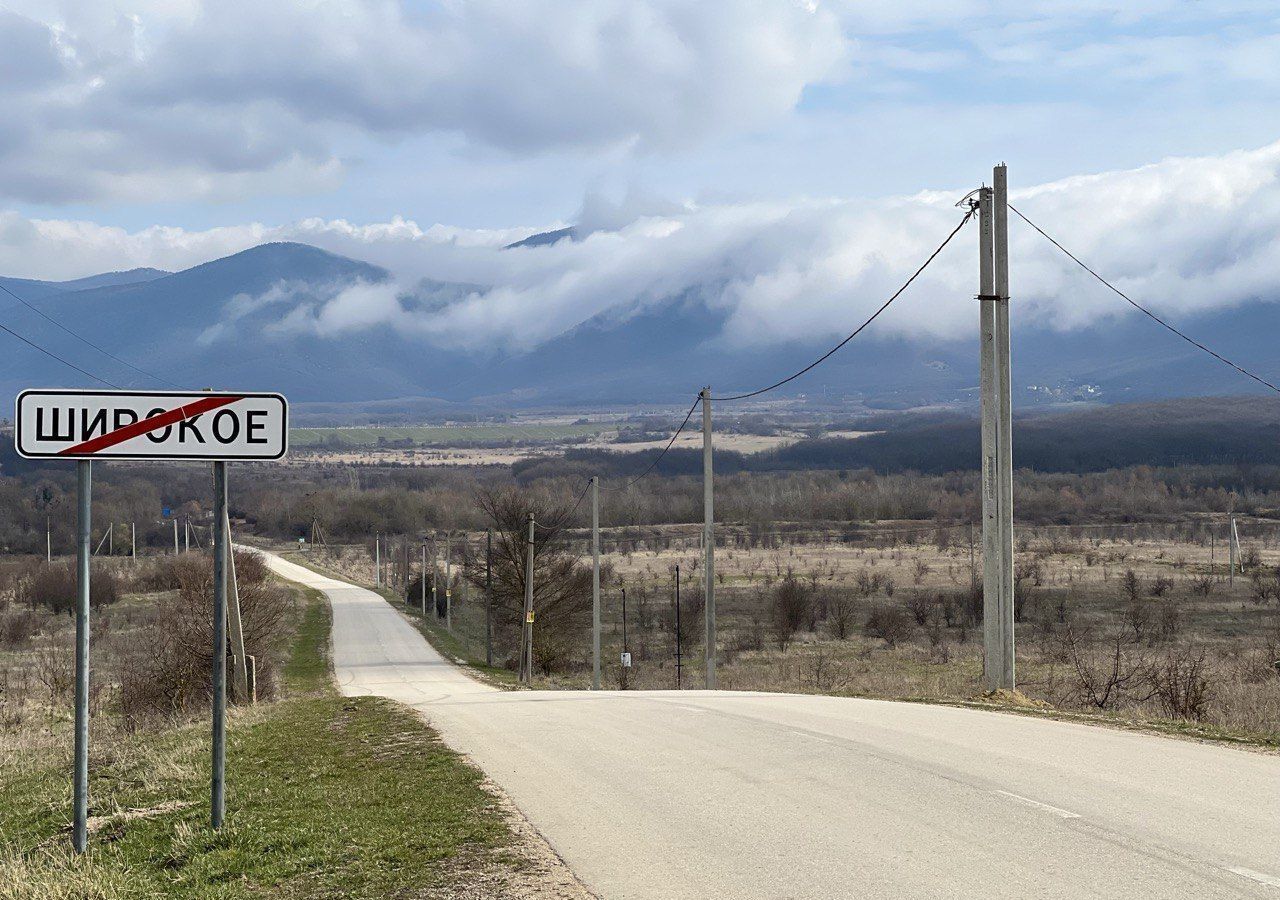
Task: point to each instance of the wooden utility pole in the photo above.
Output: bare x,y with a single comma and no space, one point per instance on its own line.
708,539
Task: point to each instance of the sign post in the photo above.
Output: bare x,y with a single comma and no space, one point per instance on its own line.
156,425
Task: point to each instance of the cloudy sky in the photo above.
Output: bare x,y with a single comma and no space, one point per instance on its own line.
799,149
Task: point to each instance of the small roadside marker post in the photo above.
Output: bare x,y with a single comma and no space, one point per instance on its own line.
86,425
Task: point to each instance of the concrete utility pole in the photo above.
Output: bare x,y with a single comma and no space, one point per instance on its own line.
526,634
679,649
133,541
175,537
233,619
423,581
488,597
377,560
435,569
709,538
186,534
48,540
997,445
448,581
217,800
84,497
111,537
1233,547
595,582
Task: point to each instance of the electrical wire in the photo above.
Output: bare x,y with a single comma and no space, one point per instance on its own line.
1142,309
52,355
86,341
658,459
824,357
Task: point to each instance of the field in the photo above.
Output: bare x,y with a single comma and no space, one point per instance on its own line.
1140,624
459,435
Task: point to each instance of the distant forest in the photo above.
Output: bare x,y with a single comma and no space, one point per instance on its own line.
1202,431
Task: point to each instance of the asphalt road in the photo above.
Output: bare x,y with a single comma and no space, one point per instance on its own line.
743,795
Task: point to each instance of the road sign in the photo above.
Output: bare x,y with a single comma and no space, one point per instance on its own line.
66,424
165,512
529,617
626,660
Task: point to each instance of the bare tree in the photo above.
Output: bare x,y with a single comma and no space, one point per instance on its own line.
561,583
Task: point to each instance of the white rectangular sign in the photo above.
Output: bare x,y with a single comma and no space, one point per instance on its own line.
66,424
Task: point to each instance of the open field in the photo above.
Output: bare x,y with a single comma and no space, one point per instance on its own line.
1138,624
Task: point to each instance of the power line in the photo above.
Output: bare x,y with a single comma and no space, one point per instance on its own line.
55,356
1142,309
824,357
85,340
658,459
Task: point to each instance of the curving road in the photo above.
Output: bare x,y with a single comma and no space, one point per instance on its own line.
700,794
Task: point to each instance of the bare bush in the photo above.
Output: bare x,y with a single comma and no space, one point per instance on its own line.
169,675
841,615
892,624
1107,671
1181,683
791,602
54,587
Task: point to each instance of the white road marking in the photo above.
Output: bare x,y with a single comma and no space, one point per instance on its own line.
812,737
1060,813
1261,877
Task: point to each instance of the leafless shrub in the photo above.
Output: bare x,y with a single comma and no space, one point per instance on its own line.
169,675
841,615
892,624
921,606
1181,683
1107,672
791,602
54,587
55,669
17,627
1161,586
1202,585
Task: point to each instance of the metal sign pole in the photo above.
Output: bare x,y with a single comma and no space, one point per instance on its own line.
84,498
218,787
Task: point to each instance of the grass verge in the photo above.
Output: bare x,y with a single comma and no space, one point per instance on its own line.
326,797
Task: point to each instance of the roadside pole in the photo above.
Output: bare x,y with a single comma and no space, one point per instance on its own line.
595,582
1000,255
48,540
679,656
175,537
526,632
238,656
1233,545
448,581
488,597
377,560
133,541
423,581
217,802
84,498
708,539
992,645
435,571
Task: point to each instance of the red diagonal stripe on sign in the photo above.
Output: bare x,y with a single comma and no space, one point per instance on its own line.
169,417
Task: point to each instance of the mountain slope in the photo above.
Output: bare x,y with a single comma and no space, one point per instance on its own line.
249,321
